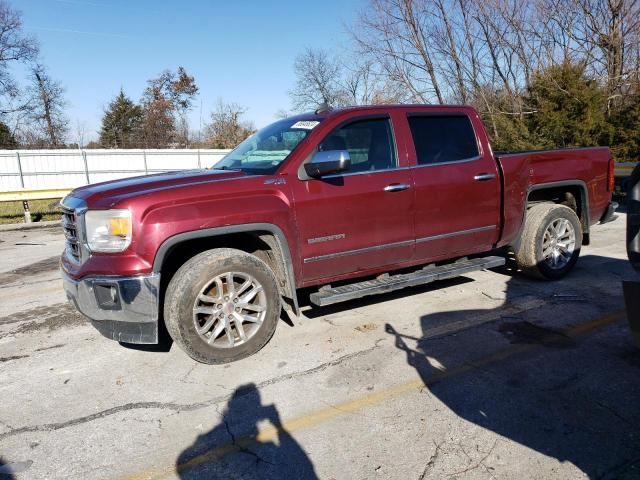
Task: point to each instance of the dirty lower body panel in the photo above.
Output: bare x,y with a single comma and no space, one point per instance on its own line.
388,283
124,309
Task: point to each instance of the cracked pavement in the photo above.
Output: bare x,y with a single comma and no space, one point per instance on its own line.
486,376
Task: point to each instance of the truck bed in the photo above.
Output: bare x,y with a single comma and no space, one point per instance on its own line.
525,171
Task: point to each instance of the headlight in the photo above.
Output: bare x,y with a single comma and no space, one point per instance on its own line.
108,230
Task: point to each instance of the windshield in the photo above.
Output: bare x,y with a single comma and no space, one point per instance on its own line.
264,151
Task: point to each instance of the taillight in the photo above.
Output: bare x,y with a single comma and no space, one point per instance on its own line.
611,176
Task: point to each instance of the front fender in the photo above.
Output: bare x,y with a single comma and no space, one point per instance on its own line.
275,230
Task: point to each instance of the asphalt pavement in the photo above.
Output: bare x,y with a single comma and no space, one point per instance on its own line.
491,375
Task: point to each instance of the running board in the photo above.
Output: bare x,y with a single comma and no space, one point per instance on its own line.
388,283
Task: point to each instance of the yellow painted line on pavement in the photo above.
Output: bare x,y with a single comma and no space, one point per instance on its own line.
315,418
34,291
596,323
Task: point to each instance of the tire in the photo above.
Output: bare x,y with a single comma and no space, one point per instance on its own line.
199,297
538,229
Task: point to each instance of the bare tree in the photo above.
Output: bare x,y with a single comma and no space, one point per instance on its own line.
317,74
166,101
605,34
339,81
46,109
15,46
282,113
227,129
452,49
183,92
396,36
158,126
363,83
81,132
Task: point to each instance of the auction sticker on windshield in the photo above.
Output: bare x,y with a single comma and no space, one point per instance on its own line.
305,124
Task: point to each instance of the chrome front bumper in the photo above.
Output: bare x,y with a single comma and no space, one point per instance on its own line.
120,308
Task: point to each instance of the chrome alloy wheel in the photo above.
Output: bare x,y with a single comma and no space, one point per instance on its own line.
229,310
558,243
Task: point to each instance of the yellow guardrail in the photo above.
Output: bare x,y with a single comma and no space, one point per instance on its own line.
624,169
26,195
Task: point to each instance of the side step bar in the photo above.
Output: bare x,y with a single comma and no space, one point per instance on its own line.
389,283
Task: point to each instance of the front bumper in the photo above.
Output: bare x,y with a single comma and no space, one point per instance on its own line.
610,213
120,308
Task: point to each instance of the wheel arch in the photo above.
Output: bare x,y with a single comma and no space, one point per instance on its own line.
267,238
572,193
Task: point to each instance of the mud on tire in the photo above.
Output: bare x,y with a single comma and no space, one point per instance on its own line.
213,314
550,242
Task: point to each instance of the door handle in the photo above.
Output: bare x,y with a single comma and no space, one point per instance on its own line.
396,187
483,177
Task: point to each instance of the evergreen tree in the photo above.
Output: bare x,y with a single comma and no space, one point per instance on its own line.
121,123
562,107
626,144
7,140
570,109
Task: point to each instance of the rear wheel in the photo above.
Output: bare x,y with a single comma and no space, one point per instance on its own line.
222,305
550,242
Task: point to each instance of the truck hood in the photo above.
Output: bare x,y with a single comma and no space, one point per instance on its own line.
136,186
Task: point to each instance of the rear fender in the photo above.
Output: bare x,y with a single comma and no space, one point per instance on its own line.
584,206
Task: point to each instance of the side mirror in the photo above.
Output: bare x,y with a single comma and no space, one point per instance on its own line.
326,163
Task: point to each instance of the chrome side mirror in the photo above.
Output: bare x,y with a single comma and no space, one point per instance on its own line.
327,163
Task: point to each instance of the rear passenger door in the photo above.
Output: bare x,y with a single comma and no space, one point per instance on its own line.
457,187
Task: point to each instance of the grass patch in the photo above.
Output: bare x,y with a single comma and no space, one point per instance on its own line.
41,211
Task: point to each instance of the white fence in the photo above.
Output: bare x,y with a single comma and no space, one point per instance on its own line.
55,169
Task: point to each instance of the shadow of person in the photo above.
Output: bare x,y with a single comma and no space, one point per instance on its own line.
5,471
236,449
545,387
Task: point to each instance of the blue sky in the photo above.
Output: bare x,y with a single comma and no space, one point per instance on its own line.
241,51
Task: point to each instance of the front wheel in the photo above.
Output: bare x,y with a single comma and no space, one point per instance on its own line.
222,305
550,242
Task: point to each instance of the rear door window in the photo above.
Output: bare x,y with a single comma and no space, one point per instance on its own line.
442,138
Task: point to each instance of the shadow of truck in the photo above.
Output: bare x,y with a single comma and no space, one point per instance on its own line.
556,390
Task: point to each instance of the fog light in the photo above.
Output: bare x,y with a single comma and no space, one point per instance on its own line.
107,296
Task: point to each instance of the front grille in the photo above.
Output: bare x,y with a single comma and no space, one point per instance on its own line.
70,227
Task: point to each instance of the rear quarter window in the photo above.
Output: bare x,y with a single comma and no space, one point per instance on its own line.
442,138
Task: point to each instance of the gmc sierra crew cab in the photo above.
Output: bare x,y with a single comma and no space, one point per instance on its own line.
353,201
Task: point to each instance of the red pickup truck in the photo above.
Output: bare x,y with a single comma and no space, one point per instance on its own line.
355,201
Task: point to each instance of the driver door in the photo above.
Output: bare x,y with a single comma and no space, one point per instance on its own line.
360,219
